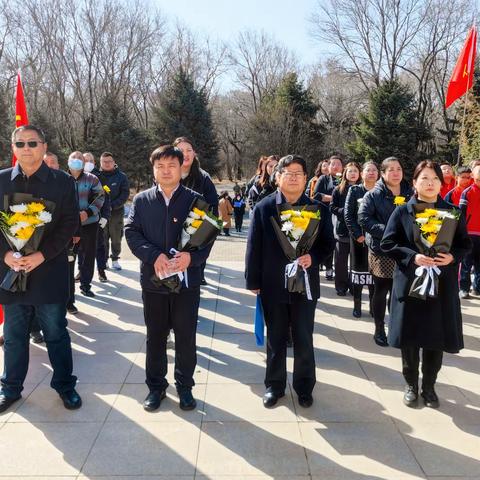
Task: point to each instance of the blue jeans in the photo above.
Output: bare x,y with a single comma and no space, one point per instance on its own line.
472,259
53,323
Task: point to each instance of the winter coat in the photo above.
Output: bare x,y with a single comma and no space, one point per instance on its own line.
375,210
200,181
225,211
337,207
350,211
434,323
117,181
324,186
265,260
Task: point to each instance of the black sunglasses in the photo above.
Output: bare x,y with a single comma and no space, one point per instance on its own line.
32,144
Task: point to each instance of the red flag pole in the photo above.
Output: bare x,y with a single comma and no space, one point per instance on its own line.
21,116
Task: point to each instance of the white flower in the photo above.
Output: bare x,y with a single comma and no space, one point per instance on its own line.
297,233
297,213
194,215
285,217
44,216
294,244
189,220
210,220
422,221
442,214
22,208
190,230
287,227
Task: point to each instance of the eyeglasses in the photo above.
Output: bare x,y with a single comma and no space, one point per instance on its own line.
293,174
32,144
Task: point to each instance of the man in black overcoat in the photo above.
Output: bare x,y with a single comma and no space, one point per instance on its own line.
265,276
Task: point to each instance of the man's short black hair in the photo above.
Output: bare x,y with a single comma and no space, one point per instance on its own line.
28,128
105,154
290,160
166,151
463,169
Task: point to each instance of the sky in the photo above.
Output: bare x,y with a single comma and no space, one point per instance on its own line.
286,20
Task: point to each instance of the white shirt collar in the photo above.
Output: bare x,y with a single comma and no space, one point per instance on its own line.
167,199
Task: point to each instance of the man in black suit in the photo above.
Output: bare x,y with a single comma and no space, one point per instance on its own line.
48,280
152,229
265,276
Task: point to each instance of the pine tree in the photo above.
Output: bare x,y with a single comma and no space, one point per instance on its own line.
390,127
130,146
470,137
183,111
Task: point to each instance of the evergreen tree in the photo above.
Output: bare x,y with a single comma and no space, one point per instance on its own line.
6,128
286,123
130,146
470,137
183,111
390,127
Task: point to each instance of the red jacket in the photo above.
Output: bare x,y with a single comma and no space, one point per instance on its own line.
470,205
453,196
446,187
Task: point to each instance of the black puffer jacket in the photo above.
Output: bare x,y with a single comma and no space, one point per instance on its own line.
375,210
337,207
350,212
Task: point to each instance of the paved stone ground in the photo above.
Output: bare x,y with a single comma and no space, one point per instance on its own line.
357,428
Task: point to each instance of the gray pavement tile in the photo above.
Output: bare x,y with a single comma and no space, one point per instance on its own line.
149,448
243,449
44,405
240,402
445,450
346,449
45,449
224,368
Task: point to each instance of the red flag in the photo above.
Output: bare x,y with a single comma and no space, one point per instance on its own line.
21,117
462,77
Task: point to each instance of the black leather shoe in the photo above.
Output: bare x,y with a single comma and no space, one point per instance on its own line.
305,401
71,400
381,338
36,337
430,398
153,400
71,308
187,402
102,276
270,398
342,293
87,292
203,282
357,312
5,402
410,397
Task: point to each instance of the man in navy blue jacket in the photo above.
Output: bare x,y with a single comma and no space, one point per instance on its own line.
265,275
152,229
48,285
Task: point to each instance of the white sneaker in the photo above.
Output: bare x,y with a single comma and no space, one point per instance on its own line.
116,265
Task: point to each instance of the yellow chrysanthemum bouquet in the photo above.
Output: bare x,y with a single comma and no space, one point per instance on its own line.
433,233
22,224
296,229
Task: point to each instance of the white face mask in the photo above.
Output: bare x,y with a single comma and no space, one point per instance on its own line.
88,167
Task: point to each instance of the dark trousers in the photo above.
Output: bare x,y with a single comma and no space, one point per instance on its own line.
278,317
113,233
163,312
431,364
52,321
328,262
382,287
472,259
87,250
342,253
101,250
238,220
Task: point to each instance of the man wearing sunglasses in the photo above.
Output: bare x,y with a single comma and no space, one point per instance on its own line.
48,286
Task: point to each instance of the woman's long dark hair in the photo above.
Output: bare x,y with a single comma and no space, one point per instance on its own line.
344,181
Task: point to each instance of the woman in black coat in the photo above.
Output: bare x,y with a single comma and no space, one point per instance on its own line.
433,324
360,273
377,206
350,177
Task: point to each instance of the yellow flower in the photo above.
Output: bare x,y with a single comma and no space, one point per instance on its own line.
431,212
35,207
308,214
196,223
198,212
17,217
300,222
25,233
287,212
106,188
428,228
431,238
399,200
